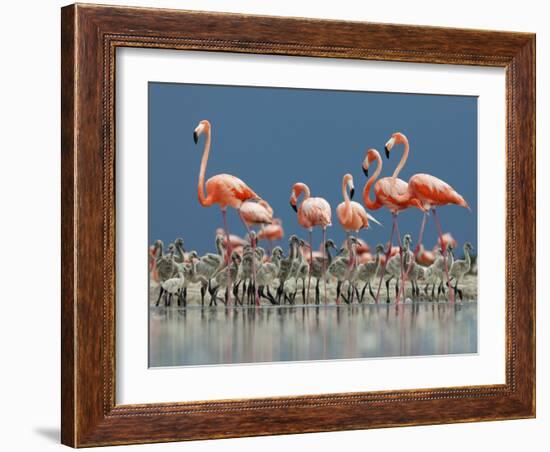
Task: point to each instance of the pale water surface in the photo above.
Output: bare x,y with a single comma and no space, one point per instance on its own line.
199,336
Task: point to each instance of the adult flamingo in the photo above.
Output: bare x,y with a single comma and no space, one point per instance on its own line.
430,191
352,216
255,212
272,232
223,189
312,211
234,239
385,191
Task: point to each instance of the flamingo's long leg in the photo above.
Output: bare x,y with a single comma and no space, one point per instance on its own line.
348,244
444,249
416,250
388,252
228,251
310,264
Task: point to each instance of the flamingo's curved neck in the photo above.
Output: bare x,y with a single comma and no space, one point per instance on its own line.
329,256
467,257
181,253
403,158
219,247
203,198
276,260
160,250
370,203
300,188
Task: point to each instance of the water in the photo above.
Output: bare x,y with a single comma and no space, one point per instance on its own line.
195,336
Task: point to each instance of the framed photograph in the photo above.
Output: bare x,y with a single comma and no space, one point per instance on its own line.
281,225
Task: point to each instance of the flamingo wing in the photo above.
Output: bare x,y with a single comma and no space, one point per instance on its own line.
318,211
386,190
229,190
365,217
255,213
434,191
391,188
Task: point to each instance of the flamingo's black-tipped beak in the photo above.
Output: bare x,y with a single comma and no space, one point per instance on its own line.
351,193
366,172
294,207
195,137
387,152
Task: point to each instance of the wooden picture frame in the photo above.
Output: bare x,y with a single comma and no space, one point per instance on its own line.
90,35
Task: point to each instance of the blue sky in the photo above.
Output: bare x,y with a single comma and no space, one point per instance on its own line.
273,137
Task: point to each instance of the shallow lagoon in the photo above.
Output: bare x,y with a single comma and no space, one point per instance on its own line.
219,335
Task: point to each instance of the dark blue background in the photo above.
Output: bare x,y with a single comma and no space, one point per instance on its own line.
273,137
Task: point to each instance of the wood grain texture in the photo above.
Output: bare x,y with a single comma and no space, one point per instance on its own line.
90,36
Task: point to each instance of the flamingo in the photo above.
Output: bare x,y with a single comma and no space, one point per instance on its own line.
365,272
302,267
352,216
394,267
166,267
286,269
255,212
319,263
272,232
267,273
222,279
312,211
428,190
385,190
362,246
461,267
448,239
424,256
245,272
234,239
339,269
174,286
153,262
436,271
224,190
180,251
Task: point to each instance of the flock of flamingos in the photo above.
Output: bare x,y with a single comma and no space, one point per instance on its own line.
246,273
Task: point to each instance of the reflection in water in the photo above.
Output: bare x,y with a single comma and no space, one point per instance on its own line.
195,336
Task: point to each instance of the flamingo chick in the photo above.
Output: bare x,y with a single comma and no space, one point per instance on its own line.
460,267
254,212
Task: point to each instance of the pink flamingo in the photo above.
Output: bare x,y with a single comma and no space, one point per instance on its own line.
272,232
430,191
234,239
255,212
385,190
352,216
153,263
424,256
223,189
449,241
312,212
